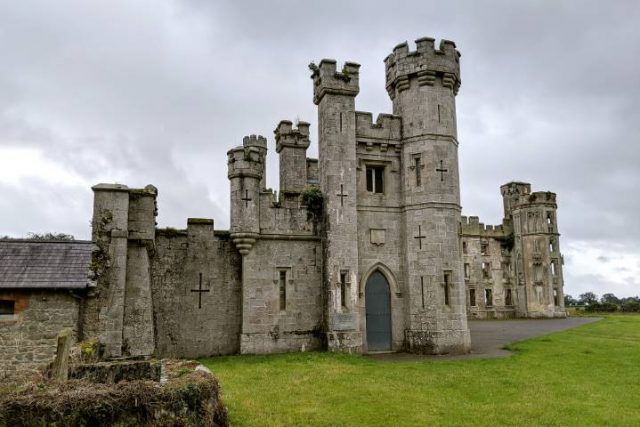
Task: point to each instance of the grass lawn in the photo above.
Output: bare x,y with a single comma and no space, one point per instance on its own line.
585,376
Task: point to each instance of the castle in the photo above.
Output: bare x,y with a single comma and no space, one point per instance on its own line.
363,249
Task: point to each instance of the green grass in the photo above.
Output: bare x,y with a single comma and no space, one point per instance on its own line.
587,376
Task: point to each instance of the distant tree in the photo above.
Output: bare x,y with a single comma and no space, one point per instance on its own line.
588,298
610,299
569,300
50,236
630,305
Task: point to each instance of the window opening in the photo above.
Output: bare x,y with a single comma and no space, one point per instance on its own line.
375,179
488,297
508,297
7,307
343,288
446,287
283,289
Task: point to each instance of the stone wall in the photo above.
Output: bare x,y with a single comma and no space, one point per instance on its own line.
269,327
495,279
28,339
191,323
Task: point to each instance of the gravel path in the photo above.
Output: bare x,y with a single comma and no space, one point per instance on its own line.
489,336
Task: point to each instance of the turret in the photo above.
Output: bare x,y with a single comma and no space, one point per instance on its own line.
422,85
334,93
538,267
291,145
511,193
246,165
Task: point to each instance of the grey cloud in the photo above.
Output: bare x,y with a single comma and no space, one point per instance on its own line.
158,91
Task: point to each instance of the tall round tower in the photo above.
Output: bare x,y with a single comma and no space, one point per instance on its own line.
422,85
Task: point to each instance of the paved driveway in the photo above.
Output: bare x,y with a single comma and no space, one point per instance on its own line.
489,336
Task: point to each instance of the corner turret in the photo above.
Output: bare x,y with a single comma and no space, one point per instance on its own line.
246,165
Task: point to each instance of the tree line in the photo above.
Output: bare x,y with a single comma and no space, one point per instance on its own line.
607,302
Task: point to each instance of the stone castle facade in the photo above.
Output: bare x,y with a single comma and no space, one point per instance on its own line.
380,260
363,249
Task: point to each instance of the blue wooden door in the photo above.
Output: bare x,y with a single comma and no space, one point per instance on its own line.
378,310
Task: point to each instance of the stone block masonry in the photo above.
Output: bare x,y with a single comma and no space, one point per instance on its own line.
383,260
28,339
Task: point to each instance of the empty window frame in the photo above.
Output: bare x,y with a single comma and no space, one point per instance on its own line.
446,285
486,270
7,307
551,246
508,297
375,179
344,282
467,271
556,299
418,166
464,247
484,248
472,297
506,270
488,297
554,272
282,286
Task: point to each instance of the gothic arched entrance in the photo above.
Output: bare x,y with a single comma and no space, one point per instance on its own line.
378,312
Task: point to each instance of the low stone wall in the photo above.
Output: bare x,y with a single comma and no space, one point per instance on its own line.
111,373
188,396
28,339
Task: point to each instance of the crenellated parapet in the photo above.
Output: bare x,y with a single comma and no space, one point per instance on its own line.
289,136
386,128
426,64
471,226
327,80
247,160
518,195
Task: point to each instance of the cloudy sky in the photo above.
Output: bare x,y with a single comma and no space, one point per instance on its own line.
156,91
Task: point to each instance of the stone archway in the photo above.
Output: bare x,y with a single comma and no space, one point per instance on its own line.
378,312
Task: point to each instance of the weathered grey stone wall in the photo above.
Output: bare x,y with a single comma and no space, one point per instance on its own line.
380,228
422,85
538,265
334,93
185,325
487,246
28,339
523,254
267,327
119,310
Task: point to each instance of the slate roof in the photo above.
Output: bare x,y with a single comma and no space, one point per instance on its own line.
44,264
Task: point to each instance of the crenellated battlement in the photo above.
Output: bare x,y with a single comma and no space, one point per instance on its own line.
255,141
518,195
425,63
326,79
247,160
288,136
387,126
471,226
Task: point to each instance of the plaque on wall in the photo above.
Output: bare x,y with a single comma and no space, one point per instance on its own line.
343,321
378,236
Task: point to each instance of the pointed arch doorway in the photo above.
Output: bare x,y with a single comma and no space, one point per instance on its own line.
378,312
